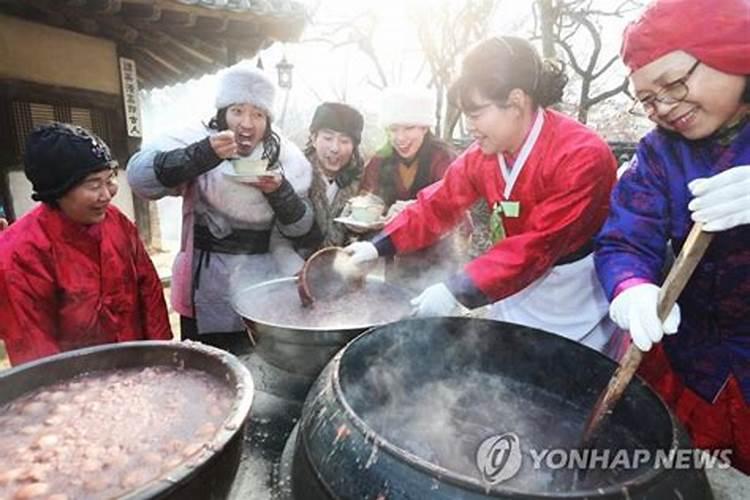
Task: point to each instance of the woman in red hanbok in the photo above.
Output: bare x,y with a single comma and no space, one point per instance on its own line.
73,271
547,180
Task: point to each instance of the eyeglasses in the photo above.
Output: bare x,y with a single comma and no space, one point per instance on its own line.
671,93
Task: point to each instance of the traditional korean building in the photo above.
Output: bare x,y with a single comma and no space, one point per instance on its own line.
83,62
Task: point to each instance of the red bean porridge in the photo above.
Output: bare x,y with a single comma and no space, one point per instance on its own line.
103,434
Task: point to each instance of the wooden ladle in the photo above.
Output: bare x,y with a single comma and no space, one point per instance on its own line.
692,251
326,275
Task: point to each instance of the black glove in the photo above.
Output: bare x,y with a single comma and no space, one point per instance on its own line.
286,204
175,167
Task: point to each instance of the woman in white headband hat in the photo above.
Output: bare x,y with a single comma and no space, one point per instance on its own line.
412,159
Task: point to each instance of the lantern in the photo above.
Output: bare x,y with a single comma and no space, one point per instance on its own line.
284,69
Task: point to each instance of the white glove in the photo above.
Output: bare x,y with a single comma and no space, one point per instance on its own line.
723,201
361,252
435,300
634,309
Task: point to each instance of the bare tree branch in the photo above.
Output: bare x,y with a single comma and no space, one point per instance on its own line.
444,34
377,85
609,93
626,7
595,38
365,45
579,18
604,68
571,58
313,92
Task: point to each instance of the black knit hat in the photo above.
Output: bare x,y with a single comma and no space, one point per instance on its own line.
59,156
339,118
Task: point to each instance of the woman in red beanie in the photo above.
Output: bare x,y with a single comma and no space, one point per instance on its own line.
690,61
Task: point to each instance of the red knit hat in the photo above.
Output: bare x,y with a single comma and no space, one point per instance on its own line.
716,33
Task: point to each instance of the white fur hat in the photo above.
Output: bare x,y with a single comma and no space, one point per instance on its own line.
244,83
408,106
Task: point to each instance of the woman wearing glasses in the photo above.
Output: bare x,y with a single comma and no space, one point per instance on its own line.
547,179
691,80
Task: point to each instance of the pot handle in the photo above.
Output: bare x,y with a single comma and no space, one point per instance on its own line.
251,334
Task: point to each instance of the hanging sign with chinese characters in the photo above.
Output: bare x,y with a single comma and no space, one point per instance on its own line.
130,97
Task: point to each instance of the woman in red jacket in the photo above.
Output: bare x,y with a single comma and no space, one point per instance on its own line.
73,271
413,158
547,179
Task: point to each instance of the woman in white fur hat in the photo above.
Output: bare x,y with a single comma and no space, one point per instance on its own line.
235,234
412,159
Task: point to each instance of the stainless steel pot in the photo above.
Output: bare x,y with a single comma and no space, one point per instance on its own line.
298,347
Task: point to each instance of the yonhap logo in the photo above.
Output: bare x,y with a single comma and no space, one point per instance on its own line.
499,458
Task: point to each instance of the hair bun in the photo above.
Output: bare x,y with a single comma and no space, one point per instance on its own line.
552,81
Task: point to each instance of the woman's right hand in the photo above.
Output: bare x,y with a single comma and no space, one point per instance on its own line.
224,144
362,252
3,223
267,183
635,310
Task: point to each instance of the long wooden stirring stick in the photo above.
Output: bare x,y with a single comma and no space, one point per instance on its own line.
692,252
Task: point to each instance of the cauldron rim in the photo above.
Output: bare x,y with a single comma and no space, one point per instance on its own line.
461,480
244,391
291,327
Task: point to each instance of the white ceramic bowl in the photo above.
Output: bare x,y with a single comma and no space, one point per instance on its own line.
366,213
246,166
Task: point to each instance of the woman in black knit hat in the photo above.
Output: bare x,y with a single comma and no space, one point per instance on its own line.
73,271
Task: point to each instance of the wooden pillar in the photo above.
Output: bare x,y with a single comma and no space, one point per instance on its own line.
141,207
8,157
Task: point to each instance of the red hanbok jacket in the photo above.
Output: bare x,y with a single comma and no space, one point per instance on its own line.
563,193
64,285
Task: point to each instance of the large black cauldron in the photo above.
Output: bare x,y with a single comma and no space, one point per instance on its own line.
209,474
383,421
